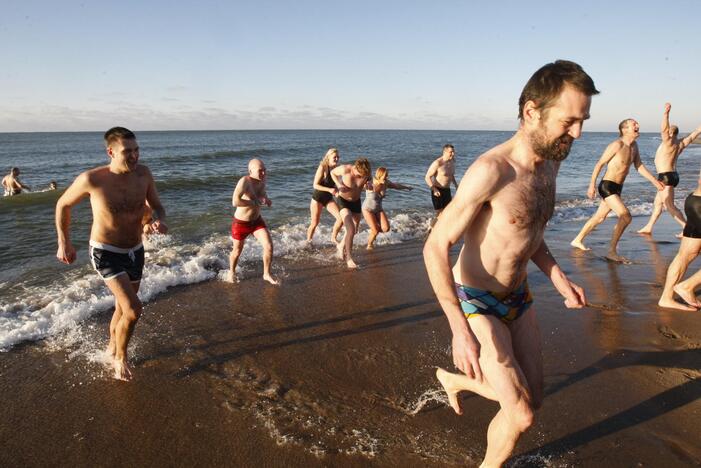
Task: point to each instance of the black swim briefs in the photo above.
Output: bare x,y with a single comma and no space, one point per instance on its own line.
669,178
441,201
692,210
110,261
353,206
322,197
608,188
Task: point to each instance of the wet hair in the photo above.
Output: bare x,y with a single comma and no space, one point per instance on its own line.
675,130
448,145
115,134
380,176
53,184
14,171
547,83
327,156
622,125
362,165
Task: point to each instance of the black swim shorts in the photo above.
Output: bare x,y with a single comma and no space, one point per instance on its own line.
441,201
110,261
669,178
353,206
322,197
692,210
608,188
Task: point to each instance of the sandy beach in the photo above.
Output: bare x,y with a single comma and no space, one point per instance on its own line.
336,368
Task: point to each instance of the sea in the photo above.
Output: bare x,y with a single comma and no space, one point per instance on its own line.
196,172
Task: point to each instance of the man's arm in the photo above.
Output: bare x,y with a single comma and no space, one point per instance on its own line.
642,170
337,177
455,182
78,190
397,186
430,174
607,156
664,128
689,138
154,201
573,294
484,177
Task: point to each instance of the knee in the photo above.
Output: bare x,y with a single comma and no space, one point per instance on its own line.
524,417
131,312
626,217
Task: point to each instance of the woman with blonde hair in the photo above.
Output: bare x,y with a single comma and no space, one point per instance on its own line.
324,191
372,207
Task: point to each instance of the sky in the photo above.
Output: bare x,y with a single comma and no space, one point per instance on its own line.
435,65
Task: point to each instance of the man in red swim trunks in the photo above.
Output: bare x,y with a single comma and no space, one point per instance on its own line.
249,196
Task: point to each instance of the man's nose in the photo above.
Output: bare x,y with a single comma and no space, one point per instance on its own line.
575,130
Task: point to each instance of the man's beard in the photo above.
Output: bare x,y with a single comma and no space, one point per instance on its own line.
554,151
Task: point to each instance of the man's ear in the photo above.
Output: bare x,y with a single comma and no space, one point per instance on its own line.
109,151
531,113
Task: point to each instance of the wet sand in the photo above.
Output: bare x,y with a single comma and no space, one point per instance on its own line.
336,368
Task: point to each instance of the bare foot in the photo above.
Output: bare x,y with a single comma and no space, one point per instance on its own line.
645,231
111,349
231,277
271,280
121,370
688,296
445,378
351,264
578,244
370,246
614,257
672,304
340,251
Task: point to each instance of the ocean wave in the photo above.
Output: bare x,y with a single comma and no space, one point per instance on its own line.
58,310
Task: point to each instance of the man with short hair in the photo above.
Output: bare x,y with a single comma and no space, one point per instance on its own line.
618,157
440,174
119,194
350,181
12,185
248,198
500,211
666,164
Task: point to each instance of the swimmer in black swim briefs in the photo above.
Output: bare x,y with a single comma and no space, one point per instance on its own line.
607,188
353,205
441,201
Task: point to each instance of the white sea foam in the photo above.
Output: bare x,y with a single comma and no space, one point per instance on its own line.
58,310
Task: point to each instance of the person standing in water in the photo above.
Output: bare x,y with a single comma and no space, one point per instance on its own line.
119,194
12,185
322,197
440,174
666,164
372,206
350,180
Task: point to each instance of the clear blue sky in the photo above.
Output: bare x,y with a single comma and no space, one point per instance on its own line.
152,65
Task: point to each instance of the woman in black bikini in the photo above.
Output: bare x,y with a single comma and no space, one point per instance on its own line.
324,191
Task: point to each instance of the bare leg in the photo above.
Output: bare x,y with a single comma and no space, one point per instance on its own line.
263,236
657,207
688,251
371,220
125,295
590,225
332,208
672,208
384,222
346,245
111,347
624,219
234,260
687,289
315,209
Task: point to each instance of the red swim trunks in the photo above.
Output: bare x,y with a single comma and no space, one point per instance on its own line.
241,229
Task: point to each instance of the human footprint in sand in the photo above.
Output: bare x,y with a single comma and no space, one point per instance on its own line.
689,249
373,213
249,196
350,180
499,212
666,164
618,157
119,195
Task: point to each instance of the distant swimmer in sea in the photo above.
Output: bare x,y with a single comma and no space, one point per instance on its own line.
372,206
440,174
119,194
12,185
618,157
499,212
350,181
689,249
666,165
324,191
52,185
249,196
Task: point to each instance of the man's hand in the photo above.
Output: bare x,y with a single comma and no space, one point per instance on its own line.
66,253
436,192
466,352
159,226
659,185
667,107
266,201
573,294
591,192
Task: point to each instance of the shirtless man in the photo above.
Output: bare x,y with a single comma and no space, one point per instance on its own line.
119,193
618,157
500,211
11,184
440,174
350,181
666,165
249,196
689,249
